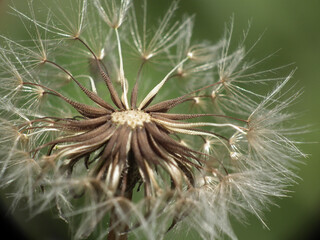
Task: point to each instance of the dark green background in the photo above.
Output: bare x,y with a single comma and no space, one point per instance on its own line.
293,27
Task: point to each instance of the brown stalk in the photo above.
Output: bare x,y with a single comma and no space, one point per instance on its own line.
113,93
94,97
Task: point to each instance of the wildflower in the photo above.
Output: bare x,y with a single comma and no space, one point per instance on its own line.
77,124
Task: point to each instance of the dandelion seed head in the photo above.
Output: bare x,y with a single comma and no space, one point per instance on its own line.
77,124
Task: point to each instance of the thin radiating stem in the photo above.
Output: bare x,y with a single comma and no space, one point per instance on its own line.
123,81
134,93
147,100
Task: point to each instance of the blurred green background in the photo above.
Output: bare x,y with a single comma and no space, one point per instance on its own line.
293,27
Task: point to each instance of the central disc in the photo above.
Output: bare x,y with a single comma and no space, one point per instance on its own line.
133,118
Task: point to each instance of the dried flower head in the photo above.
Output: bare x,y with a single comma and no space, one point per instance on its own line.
83,127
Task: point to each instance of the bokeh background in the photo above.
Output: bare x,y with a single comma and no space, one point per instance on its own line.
293,26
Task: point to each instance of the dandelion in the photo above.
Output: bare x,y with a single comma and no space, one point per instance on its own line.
85,129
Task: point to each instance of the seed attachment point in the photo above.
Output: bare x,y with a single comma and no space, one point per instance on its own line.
132,118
